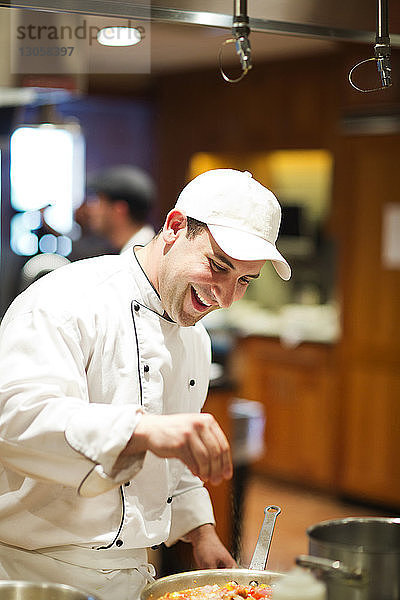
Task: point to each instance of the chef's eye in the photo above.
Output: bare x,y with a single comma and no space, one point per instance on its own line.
217,267
245,280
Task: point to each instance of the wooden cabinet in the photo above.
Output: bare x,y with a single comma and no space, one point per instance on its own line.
371,444
296,387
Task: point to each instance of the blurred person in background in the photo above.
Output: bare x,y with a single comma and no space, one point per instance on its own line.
119,203
89,243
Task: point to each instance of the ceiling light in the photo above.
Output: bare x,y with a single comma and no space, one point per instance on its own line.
119,36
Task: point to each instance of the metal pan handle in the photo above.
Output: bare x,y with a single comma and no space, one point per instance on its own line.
261,551
331,568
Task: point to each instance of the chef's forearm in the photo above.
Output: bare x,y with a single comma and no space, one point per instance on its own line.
195,535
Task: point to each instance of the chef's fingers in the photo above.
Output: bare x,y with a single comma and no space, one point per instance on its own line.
190,456
219,455
211,450
226,457
196,439
190,449
202,456
221,464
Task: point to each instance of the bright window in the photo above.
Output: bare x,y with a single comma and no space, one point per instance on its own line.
47,184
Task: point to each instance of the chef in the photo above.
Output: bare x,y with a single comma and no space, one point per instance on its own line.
104,368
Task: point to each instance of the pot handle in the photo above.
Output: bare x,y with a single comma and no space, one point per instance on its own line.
260,555
331,568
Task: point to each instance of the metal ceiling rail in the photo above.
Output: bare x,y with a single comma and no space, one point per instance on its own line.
128,10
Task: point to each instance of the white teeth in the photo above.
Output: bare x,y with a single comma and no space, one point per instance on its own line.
201,298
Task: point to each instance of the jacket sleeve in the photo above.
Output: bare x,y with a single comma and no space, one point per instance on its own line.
48,428
191,507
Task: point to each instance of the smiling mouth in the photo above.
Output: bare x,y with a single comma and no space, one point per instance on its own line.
199,301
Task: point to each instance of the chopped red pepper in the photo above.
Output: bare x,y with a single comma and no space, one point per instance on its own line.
229,591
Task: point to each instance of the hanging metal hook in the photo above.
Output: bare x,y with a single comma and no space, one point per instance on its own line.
381,50
376,89
241,32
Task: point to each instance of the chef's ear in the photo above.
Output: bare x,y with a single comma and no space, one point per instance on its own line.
174,225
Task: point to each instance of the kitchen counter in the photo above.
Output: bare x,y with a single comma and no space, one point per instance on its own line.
292,323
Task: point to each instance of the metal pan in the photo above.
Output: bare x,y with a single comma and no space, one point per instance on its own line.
255,574
190,579
30,590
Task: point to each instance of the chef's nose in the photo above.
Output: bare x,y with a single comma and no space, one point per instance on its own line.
226,294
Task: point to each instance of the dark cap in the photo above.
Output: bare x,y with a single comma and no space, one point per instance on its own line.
125,182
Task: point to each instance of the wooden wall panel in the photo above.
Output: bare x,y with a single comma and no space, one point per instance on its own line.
371,469
367,179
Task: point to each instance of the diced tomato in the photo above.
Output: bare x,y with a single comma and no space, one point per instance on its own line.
225,592
259,593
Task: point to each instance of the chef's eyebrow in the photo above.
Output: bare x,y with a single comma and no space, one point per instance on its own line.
228,263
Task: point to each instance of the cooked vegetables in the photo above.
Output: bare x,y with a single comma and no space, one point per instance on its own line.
229,591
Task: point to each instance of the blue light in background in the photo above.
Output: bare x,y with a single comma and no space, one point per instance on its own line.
47,184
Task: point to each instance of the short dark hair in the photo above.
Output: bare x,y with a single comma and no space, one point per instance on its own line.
125,182
194,227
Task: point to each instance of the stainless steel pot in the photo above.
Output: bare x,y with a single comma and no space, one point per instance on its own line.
358,557
27,590
190,579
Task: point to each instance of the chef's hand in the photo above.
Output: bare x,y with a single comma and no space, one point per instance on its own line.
196,439
208,550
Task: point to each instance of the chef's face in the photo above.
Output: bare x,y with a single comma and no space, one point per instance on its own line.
195,276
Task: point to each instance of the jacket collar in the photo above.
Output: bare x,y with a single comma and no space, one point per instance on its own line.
148,295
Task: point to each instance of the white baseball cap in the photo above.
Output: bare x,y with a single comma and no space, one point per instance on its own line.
242,215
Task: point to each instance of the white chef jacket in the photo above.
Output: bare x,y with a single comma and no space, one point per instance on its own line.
83,352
